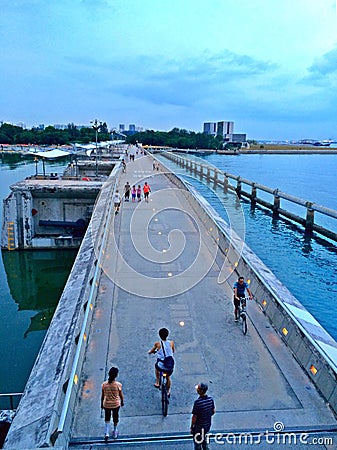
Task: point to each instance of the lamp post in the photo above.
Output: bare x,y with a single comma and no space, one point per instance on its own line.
36,162
96,125
44,168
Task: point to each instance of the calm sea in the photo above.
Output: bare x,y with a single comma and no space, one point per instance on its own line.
31,284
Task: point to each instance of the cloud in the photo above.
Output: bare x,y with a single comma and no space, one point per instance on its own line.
183,82
324,66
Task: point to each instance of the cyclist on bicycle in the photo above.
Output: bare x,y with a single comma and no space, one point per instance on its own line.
240,288
164,348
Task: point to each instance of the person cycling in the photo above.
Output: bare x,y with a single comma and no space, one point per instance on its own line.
239,293
165,348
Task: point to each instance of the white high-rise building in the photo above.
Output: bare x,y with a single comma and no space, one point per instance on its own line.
222,128
210,128
225,129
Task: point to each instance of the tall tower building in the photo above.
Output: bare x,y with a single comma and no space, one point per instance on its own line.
225,129
210,128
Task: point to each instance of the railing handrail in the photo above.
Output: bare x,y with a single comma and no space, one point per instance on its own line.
292,198
81,339
10,395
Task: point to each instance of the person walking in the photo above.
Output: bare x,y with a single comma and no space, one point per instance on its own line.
133,193
132,153
146,190
139,193
203,410
127,189
117,201
112,399
164,349
240,288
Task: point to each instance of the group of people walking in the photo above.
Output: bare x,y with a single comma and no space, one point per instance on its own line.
135,192
112,397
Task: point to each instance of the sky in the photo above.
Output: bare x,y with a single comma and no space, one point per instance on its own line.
268,65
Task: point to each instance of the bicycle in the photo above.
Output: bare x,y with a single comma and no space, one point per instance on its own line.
243,314
164,396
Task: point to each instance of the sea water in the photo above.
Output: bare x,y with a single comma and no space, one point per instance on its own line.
30,286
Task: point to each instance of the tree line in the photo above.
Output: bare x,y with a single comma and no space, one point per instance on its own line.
12,134
176,138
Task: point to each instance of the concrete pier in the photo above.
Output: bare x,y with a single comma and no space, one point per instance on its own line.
53,211
167,263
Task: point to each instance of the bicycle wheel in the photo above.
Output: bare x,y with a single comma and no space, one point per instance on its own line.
244,323
164,399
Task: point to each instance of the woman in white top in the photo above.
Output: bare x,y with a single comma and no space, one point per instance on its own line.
163,353
117,201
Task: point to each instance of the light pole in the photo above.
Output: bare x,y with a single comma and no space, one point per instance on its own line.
36,160
96,125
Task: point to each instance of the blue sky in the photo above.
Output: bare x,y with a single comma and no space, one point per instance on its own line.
268,65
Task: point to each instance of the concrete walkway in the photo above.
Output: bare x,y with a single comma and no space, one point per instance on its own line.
155,276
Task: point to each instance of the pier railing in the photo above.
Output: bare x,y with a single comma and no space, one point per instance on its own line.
101,236
11,398
222,179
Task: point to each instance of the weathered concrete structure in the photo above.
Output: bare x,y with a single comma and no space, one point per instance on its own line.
52,211
33,202
125,285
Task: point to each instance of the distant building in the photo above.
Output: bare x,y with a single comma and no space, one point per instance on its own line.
239,137
133,129
121,127
210,128
225,129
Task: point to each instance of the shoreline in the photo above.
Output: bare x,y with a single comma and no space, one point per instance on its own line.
290,151
282,150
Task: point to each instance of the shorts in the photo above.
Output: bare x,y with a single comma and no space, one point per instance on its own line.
238,302
115,414
160,369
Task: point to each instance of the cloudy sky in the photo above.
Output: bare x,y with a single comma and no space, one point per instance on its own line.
268,65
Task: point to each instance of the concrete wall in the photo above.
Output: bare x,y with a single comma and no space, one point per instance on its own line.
57,200
311,345
36,422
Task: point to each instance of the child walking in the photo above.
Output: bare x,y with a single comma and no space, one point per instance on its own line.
133,193
112,399
139,193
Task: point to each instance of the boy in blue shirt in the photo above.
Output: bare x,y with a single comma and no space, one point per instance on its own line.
239,292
